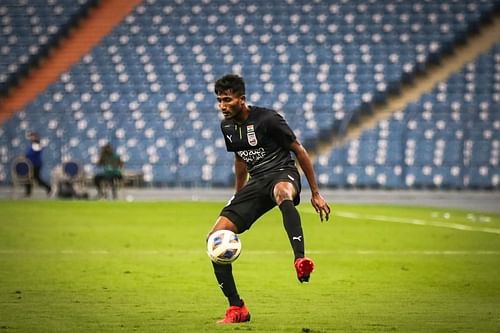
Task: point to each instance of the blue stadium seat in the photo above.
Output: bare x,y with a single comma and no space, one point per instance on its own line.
30,30
448,139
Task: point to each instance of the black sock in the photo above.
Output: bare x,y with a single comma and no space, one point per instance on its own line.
293,227
224,275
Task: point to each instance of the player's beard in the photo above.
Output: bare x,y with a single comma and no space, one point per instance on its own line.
232,113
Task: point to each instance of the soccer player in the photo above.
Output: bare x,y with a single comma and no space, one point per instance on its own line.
262,141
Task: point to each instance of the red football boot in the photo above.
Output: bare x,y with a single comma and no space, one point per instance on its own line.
304,267
235,314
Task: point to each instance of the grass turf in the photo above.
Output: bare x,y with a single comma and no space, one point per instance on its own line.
116,266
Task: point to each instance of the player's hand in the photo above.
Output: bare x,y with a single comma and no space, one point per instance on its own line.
321,206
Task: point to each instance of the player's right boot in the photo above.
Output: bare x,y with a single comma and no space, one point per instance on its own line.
304,267
236,314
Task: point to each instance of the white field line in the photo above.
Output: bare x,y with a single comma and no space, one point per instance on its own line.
8,252
383,218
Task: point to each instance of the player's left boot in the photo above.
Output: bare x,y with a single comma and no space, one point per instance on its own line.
304,267
236,314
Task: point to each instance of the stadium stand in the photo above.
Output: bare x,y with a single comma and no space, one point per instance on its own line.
147,88
30,29
448,139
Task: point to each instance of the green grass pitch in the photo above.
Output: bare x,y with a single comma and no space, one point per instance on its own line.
142,267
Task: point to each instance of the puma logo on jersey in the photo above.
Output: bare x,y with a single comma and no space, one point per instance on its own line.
230,138
299,238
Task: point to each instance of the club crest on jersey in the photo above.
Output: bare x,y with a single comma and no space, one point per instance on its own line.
251,137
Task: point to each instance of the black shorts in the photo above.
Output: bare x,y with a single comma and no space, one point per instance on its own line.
256,198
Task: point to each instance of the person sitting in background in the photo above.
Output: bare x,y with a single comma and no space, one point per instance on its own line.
34,154
112,165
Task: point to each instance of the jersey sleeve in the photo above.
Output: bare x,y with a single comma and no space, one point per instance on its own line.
279,130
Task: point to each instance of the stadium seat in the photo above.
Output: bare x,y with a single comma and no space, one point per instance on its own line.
21,172
448,139
30,30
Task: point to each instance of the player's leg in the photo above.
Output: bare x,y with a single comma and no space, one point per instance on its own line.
247,205
284,194
237,311
98,179
224,273
41,182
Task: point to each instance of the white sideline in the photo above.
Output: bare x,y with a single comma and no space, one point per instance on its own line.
382,218
389,253
253,252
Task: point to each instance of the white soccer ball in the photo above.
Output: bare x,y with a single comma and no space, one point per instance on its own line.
223,247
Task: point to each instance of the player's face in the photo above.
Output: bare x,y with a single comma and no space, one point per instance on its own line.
230,104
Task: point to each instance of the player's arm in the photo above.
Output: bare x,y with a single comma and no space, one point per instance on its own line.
318,202
241,173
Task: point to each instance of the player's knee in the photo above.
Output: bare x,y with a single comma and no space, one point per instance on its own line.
283,191
223,223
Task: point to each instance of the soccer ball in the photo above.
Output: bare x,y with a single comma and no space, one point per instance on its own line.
223,247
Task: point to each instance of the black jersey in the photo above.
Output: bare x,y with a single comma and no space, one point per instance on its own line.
263,141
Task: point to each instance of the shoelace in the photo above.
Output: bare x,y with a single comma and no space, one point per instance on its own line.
233,315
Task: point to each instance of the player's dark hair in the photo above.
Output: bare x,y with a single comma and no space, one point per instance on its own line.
230,83
34,137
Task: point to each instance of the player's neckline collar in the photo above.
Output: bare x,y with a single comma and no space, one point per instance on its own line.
250,108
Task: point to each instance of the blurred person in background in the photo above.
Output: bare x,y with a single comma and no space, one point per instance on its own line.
111,165
34,154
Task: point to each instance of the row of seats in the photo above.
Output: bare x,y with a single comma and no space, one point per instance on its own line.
447,139
29,30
